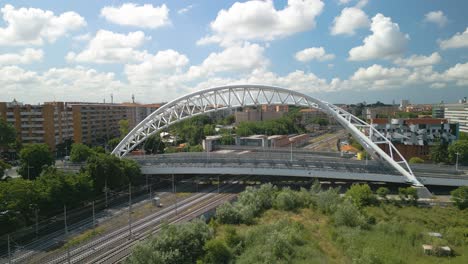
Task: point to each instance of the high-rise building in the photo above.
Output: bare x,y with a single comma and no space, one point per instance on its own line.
458,113
49,123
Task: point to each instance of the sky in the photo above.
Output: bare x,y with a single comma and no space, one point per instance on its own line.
341,51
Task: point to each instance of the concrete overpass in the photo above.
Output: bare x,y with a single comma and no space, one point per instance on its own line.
310,165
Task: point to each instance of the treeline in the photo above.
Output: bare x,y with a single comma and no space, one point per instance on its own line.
48,189
445,153
238,234
288,124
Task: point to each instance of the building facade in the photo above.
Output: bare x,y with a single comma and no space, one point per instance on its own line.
458,113
49,123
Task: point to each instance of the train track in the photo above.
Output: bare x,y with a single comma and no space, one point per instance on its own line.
120,253
140,228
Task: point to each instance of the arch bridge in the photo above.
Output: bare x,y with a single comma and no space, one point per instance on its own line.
234,96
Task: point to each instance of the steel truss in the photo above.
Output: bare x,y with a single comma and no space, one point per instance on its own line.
233,96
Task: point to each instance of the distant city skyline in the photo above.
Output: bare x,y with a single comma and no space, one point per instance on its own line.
341,51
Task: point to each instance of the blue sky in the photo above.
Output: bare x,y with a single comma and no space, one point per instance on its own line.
342,51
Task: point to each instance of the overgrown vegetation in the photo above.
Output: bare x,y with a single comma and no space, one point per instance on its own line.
271,225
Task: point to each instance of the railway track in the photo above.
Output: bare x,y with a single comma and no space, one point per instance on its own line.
118,240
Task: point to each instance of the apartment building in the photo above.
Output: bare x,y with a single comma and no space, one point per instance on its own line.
49,123
458,113
54,122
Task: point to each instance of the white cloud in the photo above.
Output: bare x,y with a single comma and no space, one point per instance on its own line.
385,42
459,40
436,17
458,73
259,20
438,85
240,58
344,2
110,47
185,9
145,16
82,37
26,56
33,26
419,60
313,54
164,63
350,19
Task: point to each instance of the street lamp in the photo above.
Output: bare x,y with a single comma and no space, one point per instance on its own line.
456,163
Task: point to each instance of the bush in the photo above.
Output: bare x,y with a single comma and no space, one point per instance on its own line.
228,214
408,194
415,160
328,200
460,197
383,192
216,252
360,195
347,214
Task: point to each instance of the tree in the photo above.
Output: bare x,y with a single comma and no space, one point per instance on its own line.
460,197
360,195
227,139
383,192
112,143
460,147
209,130
228,214
33,157
124,127
439,153
320,121
63,149
3,166
416,160
408,193
17,197
154,145
347,214
7,134
216,252
80,152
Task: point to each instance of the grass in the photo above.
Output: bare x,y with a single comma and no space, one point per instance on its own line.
83,237
396,236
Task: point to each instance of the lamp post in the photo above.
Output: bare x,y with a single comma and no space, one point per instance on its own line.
456,163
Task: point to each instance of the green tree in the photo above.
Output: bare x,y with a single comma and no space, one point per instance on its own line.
328,200
33,157
460,147
80,152
460,197
18,197
216,252
383,192
408,194
112,143
63,149
360,195
228,214
439,153
227,139
320,121
3,166
7,134
154,144
124,127
347,214
415,160
209,130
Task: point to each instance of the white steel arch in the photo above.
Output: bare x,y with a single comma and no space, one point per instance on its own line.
233,96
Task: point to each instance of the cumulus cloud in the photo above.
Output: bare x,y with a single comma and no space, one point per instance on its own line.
459,40
458,73
436,17
26,56
419,60
350,19
163,63
259,20
313,54
33,26
145,16
385,42
110,47
240,58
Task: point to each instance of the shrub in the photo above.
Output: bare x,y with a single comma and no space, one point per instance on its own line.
216,252
383,192
360,195
460,197
228,214
408,194
416,160
328,200
347,214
